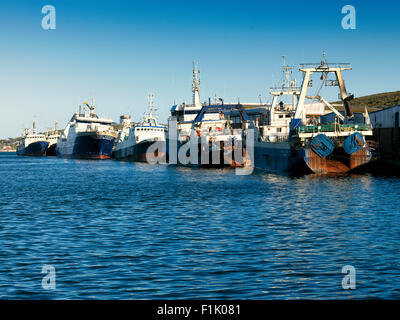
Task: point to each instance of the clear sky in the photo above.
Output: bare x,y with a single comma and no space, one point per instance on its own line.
119,51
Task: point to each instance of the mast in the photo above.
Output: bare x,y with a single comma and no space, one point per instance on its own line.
150,97
286,73
34,127
195,86
92,109
149,118
288,88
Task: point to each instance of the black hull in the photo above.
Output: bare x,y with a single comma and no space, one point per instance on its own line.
38,148
90,146
138,152
51,151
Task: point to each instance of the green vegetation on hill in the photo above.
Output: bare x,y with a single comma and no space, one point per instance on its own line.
379,100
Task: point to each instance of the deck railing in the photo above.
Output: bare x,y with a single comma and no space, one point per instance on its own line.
335,127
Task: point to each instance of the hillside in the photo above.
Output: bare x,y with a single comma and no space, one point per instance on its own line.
379,100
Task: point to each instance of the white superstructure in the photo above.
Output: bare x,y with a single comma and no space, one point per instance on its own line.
52,135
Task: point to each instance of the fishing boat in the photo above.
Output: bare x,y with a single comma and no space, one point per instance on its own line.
135,139
87,136
32,144
293,138
221,143
202,134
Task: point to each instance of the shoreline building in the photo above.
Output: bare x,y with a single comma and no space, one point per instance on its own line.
386,124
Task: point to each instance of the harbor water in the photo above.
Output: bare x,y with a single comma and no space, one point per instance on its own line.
118,230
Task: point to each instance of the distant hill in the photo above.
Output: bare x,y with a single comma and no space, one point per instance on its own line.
379,100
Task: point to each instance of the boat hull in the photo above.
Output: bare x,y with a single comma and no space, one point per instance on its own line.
220,159
38,148
285,158
88,146
280,158
51,150
139,152
337,162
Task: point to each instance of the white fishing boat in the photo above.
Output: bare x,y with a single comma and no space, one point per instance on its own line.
32,144
135,139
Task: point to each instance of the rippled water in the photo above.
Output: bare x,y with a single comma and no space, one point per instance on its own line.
116,230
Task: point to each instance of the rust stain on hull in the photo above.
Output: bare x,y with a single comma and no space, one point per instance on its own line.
338,162
360,158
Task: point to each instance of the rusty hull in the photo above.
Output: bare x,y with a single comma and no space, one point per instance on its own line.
338,162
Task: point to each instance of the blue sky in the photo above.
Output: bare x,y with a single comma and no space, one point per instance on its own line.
119,51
